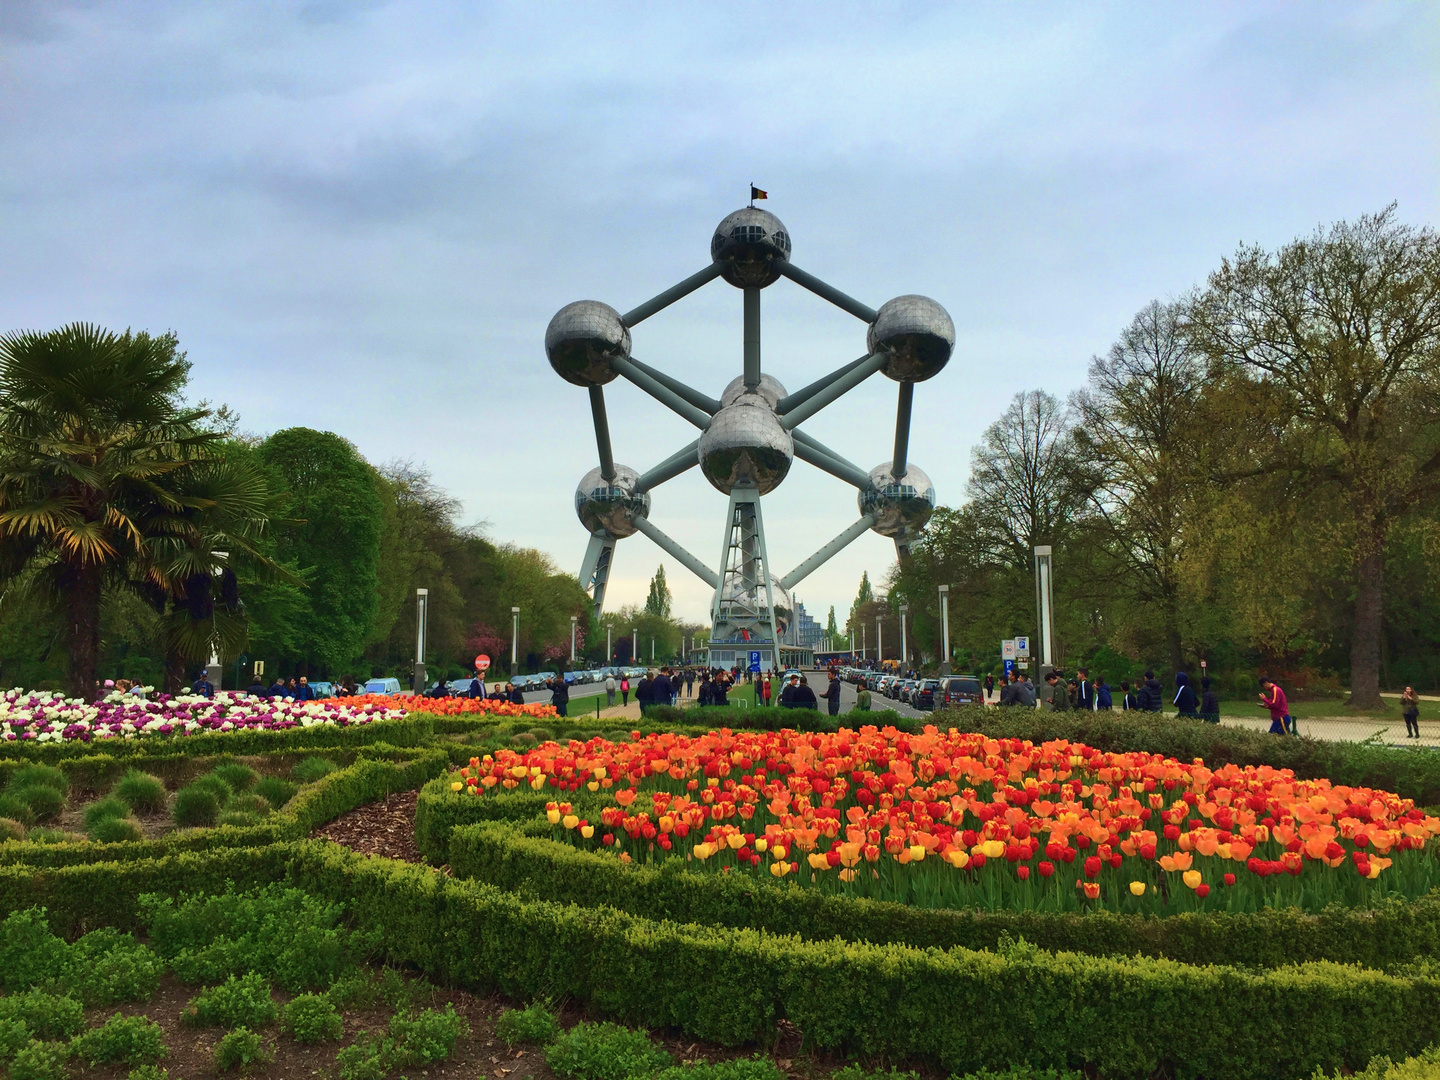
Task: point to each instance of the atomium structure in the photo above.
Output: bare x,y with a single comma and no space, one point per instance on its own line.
750,436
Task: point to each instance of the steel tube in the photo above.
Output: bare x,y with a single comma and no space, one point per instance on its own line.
826,553
902,430
662,394
828,292
689,393
670,295
799,397
836,467
686,458
820,448
602,432
752,338
841,386
671,548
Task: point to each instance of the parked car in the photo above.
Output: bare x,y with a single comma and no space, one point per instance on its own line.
923,696
382,686
963,692
323,689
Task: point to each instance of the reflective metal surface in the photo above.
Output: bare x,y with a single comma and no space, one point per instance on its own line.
609,506
746,444
582,338
748,245
769,388
902,507
741,608
918,335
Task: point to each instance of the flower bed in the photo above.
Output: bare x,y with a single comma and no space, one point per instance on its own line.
959,820
43,717
459,706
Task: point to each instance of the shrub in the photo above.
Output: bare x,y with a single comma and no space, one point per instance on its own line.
16,810
43,800
123,1040
239,818
239,777
45,1015
30,954
1023,1072
116,830
45,775
222,791
275,791
243,1001
240,1049
109,967
10,829
195,806
255,805
38,1060
754,1068
604,1051
14,1033
367,1058
533,1024
104,810
148,1072
143,793
426,1036
54,836
312,1018
542,734
311,769
523,741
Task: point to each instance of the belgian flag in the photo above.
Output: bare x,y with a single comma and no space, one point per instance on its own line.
756,193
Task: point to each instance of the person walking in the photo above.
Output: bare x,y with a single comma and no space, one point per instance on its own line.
624,689
1273,699
1185,698
1084,690
765,690
1027,691
1152,697
660,688
1010,691
1209,702
989,686
1059,698
560,696
1129,700
1104,702
832,694
644,694
609,690
256,687
689,682
804,696
1410,709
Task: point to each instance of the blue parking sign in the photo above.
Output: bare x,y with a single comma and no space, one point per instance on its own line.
755,661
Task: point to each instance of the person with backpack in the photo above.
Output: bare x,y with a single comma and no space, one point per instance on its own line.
1185,698
1209,702
624,690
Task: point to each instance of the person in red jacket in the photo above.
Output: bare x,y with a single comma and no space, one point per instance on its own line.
1273,698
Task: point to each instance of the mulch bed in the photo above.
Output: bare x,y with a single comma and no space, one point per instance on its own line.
385,827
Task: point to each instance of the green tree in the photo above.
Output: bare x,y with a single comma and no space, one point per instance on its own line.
1345,325
832,631
97,449
863,596
336,511
659,600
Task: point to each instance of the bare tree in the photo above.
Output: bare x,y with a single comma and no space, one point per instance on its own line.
1346,324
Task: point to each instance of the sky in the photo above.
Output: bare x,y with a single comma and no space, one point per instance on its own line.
360,217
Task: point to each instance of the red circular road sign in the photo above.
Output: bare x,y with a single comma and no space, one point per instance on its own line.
482,662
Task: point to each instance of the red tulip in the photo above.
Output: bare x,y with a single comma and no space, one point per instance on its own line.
1046,869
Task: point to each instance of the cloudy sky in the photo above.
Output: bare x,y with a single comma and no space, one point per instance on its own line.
360,216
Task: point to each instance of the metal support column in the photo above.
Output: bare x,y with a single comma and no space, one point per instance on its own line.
422,609
944,629
902,430
602,432
825,554
752,338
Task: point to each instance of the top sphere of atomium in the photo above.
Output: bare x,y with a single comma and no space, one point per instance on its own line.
746,445
582,339
917,334
611,505
900,507
750,245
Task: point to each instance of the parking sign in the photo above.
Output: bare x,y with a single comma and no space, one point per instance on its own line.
1022,648
755,660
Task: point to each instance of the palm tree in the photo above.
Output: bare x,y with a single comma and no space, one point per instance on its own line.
106,476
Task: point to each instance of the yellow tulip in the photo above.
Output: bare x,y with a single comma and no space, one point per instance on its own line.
1191,878
735,840
599,774
917,852
587,831
1137,888
570,821
993,849
958,859
593,786
534,770
455,785
778,851
554,816
847,874
761,844
817,861
703,851
538,783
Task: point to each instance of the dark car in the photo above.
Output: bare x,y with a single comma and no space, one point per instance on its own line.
964,692
923,696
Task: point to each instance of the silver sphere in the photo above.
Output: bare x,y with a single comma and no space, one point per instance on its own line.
901,507
918,335
582,339
745,444
752,599
769,389
749,245
611,505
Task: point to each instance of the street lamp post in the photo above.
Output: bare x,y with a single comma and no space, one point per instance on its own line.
574,621
514,639
864,643
609,652
422,609
904,650
635,645
879,640
944,629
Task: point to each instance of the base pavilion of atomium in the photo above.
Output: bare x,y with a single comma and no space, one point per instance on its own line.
749,436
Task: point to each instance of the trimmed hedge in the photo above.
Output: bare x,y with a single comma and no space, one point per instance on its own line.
522,858
440,810
1411,774
964,1010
